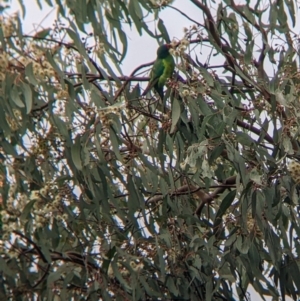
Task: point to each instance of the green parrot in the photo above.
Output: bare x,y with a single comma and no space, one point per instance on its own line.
162,69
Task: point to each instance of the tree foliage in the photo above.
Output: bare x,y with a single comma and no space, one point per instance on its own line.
110,195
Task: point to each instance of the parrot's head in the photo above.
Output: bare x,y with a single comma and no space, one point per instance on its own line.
163,51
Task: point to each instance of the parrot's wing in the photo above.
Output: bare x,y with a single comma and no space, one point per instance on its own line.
157,70
168,70
156,73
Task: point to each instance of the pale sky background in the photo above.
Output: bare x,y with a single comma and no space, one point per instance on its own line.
141,49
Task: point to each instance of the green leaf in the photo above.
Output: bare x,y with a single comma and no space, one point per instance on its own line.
248,32
243,244
151,287
77,41
123,39
176,111
27,96
120,278
62,128
53,277
273,16
136,14
216,152
46,253
55,235
208,77
287,144
172,287
76,153
165,236
26,211
216,96
161,27
249,52
15,97
245,139
43,33
293,270
108,258
226,203
30,75
291,8
250,16
23,8
204,108
8,148
245,77
5,268
161,260
115,143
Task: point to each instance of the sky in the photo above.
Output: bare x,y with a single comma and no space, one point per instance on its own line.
141,49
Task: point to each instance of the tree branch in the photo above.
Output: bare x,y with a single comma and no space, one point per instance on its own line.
207,198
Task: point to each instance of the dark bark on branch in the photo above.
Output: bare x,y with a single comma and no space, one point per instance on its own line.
207,198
